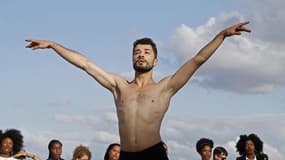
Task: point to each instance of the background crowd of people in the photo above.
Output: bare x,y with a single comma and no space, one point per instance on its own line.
249,147
12,148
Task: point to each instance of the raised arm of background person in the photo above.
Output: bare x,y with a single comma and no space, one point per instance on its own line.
107,80
24,154
178,80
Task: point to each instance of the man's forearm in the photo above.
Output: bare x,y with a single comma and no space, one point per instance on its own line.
69,55
207,51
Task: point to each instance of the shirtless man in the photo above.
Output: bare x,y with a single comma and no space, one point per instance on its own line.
141,103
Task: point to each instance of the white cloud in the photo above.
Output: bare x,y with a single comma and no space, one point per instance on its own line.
105,137
76,118
107,120
182,151
273,152
243,64
111,116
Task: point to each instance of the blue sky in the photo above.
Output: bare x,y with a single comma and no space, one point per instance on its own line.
240,90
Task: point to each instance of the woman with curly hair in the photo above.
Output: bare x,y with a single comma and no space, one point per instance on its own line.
250,148
11,144
204,148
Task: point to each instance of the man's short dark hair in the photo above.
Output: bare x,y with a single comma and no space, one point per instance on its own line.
202,143
146,40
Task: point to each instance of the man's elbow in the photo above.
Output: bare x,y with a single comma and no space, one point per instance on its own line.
85,64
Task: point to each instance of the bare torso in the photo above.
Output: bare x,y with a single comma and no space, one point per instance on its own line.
140,113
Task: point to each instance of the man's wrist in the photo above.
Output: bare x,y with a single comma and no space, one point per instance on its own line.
224,34
51,44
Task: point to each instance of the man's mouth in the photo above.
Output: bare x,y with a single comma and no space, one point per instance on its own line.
140,61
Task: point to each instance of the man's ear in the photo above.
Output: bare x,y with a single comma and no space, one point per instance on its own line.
155,62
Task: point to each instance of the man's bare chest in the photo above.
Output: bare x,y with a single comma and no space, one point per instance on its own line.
140,97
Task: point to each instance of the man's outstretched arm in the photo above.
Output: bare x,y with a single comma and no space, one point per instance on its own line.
178,80
107,80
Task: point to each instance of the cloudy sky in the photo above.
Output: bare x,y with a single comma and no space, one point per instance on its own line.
240,90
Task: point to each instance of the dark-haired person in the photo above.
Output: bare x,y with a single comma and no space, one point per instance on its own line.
142,103
220,153
11,142
11,148
204,147
250,147
112,152
55,150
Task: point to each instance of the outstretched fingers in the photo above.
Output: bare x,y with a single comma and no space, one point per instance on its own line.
31,40
238,29
31,44
37,44
241,27
244,23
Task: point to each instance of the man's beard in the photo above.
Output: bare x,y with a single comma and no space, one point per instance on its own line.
142,69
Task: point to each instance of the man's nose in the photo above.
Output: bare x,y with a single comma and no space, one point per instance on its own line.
141,55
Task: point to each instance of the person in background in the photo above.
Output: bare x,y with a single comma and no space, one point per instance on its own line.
55,150
250,148
11,142
204,148
220,153
113,152
11,148
81,153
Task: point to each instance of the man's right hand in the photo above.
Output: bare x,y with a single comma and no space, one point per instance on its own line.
38,44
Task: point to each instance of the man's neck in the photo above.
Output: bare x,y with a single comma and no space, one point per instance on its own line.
143,79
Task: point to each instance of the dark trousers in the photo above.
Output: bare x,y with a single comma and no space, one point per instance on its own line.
155,152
